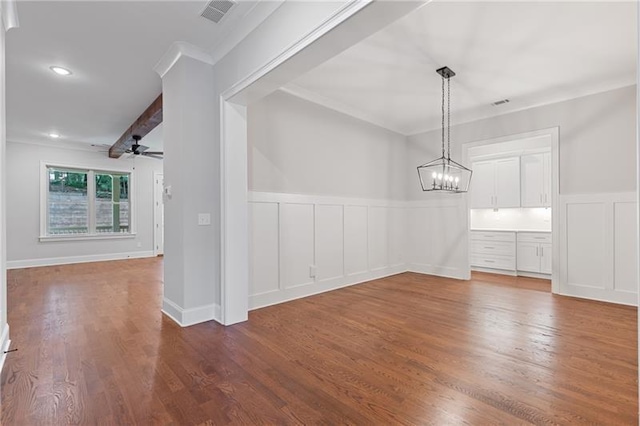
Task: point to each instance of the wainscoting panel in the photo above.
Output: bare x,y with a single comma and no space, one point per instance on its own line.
587,245
378,238
437,239
356,240
329,242
598,252
303,245
625,278
264,233
296,244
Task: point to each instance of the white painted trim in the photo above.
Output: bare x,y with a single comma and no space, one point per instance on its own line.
34,263
554,134
275,297
281,197
5,343
341,15
156,209
438,271
177,50
85,237
191,316
494,271
534,275
9,9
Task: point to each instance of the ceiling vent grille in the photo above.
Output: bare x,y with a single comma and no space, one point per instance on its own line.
217,9
501,102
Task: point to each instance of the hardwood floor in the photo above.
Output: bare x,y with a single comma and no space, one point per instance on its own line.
409,349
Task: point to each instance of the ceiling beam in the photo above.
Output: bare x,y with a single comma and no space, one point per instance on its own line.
147,121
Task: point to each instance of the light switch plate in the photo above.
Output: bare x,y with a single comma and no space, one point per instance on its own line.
204,219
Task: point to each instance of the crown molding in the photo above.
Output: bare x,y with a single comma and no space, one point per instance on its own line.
177,50
9,11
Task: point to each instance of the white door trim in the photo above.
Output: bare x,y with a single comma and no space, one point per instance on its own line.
157,212
554,134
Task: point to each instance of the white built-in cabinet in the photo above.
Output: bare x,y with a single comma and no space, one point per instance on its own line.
535,172
496,183
534,252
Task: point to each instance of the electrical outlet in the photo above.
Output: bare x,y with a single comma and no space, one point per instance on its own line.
139,244
204,219
312,271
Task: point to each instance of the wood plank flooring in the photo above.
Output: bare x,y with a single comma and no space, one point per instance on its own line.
409,349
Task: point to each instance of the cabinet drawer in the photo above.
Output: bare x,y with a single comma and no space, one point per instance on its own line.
534,237
495,262
493,247
493,236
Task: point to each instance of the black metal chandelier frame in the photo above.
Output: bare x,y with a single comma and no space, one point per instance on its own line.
443,174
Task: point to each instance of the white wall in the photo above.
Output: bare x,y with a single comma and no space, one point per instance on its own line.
326,192
597,140
23,207
299,147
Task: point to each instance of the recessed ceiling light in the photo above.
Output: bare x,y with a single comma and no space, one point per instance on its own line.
60,70
54,135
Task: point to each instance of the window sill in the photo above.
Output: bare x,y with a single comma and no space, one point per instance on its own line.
105,236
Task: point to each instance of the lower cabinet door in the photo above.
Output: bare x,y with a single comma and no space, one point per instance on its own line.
545,258
528,259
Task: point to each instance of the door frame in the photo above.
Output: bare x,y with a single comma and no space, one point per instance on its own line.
158,204
554,134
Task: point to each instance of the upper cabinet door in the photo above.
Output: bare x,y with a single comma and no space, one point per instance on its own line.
483,185
532,175
507,182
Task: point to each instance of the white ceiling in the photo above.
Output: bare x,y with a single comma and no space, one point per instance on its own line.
111,47
532,53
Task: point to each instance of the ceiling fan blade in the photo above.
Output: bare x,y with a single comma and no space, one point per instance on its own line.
153,153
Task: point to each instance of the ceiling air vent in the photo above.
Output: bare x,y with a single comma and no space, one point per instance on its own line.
501,102
217,9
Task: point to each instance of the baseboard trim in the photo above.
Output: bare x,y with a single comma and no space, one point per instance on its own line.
275,297
191,316
495,271
5,343
534,275
52,261
438,270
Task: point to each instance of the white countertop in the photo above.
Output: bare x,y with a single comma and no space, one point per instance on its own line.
510,230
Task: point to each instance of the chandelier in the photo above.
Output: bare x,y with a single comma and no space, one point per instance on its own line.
443,174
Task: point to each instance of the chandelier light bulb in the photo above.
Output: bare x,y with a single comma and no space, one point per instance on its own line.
439,175
434,175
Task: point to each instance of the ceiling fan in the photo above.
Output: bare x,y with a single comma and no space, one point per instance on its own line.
137,149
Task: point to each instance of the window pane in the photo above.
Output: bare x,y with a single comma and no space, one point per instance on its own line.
104,203
112,202
68,202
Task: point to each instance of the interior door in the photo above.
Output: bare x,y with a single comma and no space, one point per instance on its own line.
158,215
546,179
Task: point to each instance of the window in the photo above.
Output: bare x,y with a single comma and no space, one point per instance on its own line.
86,203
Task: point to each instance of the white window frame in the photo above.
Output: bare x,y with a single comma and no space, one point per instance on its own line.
91,171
